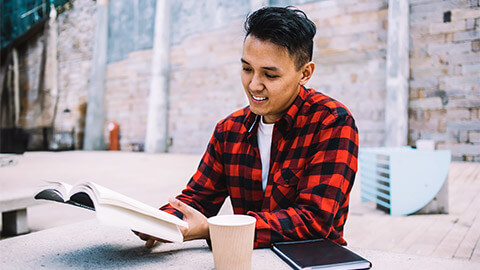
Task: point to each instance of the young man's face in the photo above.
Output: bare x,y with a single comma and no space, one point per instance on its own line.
270,78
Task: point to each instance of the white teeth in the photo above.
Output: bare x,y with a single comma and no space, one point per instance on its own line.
259,98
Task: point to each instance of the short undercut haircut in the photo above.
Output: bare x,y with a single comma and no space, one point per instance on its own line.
287,27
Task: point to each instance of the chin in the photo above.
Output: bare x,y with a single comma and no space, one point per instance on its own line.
255,111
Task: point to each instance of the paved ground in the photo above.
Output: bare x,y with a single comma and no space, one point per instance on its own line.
154,178
455,235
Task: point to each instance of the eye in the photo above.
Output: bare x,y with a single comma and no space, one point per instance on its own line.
271,76
246,69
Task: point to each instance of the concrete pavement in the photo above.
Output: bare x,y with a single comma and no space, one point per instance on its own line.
152,178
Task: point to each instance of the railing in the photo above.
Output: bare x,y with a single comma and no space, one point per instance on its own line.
18,16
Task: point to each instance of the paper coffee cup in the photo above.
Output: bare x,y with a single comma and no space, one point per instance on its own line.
232,241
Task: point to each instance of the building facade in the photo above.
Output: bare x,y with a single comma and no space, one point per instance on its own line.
204,69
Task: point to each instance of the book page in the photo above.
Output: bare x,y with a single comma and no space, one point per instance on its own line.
110,197
53,191
118,216
114,208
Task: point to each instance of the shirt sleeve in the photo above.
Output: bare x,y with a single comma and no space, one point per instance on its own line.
321,205
206,190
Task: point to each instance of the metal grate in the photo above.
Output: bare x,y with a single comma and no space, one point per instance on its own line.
402,180
375,177
18,16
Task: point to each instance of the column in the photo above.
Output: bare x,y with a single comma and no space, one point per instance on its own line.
396,104
157,122
96,93
51,68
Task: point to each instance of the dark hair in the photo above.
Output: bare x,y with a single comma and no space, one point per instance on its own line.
285,26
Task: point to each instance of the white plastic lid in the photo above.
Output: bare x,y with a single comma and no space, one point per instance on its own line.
231,220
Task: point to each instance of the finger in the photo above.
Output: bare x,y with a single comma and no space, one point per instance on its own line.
180,206
144,237
150,243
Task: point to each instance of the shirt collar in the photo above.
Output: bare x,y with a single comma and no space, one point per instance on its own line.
287,120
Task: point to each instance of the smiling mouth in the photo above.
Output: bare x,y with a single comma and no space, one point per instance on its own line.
259,98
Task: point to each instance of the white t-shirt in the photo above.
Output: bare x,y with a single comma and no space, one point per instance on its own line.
264,139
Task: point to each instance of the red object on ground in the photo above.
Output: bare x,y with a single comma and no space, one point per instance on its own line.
114,130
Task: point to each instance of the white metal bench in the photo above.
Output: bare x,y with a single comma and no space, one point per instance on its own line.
14,212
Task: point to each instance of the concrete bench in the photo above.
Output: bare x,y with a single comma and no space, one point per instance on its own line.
14,212
7,160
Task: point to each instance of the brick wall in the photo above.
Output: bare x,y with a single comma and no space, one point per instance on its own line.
350,51
126,98
205,86
30,61
74,53
76,28
445,75
350,57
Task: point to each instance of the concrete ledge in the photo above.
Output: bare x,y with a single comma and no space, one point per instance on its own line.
13,207
16,201
90,245
7,160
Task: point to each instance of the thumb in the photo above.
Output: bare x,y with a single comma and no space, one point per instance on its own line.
180,206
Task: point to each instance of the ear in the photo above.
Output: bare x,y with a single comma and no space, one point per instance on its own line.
307,72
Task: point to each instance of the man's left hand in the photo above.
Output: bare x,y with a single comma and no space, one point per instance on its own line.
197,225
197,222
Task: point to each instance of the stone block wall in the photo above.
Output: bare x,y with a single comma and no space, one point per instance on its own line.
205,86
30,62
126,98
76,28
350,58
349,54
74,53
445,75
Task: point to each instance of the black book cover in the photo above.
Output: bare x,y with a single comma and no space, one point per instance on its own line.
319,254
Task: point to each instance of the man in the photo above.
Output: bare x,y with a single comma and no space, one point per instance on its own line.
290,158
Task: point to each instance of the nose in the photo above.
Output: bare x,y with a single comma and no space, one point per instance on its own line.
256,84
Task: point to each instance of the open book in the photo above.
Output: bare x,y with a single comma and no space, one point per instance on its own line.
113,208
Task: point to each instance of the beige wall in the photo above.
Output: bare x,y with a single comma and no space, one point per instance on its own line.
350,52
445,76
76,27
74,55
205,86
126,98
350,66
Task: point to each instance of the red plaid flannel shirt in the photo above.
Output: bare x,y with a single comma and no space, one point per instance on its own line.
312,168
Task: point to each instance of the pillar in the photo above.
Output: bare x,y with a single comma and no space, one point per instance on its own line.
96,93
397,73
157,121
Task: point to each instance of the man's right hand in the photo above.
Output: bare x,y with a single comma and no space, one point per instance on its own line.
150,241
